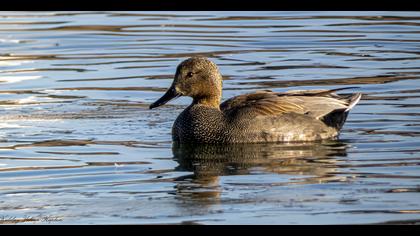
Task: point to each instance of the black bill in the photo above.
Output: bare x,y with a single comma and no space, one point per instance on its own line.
169,95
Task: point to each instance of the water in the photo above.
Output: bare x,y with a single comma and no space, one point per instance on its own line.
80,146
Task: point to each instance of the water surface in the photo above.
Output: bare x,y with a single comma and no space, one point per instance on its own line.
78,144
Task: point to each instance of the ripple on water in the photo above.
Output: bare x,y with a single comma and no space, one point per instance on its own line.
78,143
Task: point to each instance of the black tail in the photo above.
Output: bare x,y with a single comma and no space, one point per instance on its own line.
336,118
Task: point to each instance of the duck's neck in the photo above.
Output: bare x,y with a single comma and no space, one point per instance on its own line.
208,101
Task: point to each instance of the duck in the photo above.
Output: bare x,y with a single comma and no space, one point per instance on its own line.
263,116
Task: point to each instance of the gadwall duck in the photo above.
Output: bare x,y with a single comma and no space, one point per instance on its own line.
263,116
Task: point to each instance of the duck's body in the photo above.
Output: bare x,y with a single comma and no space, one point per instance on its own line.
263,116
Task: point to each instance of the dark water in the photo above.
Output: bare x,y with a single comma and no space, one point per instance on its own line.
79,145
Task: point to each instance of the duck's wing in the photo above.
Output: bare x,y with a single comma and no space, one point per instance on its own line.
323,105
263,103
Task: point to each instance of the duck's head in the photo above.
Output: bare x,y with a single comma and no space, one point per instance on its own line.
196,77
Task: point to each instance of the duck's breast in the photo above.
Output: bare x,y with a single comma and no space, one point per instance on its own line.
200,124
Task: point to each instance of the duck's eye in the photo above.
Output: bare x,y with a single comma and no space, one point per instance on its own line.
190,74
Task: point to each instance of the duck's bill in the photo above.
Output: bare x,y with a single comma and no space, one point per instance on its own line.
169,95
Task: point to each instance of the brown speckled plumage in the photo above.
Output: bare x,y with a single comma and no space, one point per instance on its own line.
263,116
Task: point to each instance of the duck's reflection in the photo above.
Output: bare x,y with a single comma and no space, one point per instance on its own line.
313,162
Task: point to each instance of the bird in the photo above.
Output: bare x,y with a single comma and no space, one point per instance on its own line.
263,116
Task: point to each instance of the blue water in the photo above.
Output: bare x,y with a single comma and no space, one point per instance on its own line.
80,146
